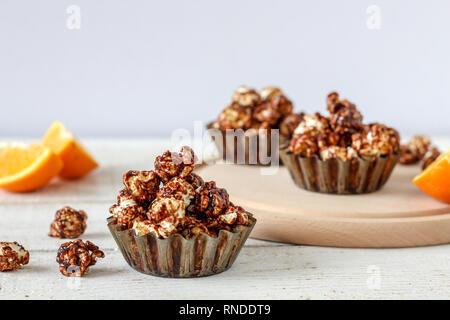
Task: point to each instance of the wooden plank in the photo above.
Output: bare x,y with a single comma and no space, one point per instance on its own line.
291,272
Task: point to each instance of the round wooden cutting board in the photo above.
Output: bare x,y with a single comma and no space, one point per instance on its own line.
398,215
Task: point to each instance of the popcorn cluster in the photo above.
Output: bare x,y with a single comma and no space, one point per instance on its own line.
419,148
173,199
432,154
68,223
342,134
267,109
75,257
12,256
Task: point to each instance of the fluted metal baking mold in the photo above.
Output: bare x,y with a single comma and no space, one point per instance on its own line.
226,148
337,176
178,257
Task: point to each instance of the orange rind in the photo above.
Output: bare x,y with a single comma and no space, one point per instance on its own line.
27,167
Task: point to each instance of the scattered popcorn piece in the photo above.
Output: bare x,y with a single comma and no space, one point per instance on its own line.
75,257
68,223
171,164
419,148
12,256
432,154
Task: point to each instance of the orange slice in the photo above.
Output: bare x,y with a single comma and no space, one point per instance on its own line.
435,179
77,161
27,167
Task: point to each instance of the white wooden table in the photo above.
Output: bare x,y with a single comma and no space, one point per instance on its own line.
264,270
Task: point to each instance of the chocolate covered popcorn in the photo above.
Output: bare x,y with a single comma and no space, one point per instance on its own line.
12,256
419,148
342,134
185,227
75,257
177,201
268,109
68,223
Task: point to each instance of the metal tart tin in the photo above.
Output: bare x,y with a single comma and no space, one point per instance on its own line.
178,257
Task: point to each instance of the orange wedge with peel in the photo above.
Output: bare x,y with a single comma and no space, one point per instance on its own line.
27,167
435,179
77,161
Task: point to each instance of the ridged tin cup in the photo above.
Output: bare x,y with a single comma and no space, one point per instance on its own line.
337,176
178,257
250,148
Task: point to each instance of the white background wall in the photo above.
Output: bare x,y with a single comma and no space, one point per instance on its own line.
144,68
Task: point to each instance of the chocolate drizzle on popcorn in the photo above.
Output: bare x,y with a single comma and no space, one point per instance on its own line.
12,256
338,153
172,199
419,148
76,257
68,223
268,109
342,134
